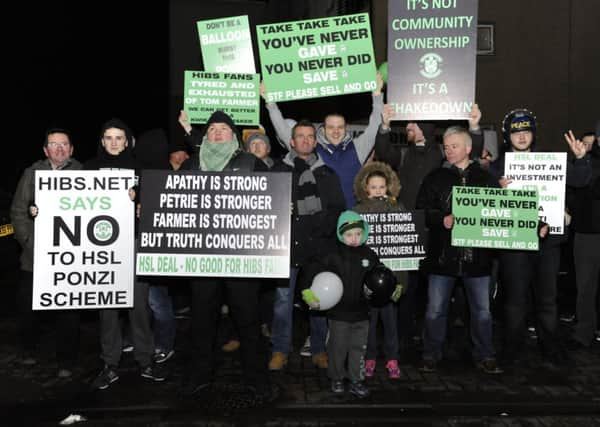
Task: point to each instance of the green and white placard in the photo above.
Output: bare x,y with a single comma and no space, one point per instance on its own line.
226,45
317,57
495,218
235,94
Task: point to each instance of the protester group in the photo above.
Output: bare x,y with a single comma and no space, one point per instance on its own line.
336,177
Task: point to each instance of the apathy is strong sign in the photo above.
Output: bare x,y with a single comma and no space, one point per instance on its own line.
84,232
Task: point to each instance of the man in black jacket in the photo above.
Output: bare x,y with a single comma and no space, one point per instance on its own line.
529,272
412,162
525,273
445,263
220,149
58,150
317,202
586,224
115,152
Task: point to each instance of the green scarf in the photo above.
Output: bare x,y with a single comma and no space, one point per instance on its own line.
214,156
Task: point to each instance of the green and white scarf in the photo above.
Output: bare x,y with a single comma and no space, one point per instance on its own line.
214,156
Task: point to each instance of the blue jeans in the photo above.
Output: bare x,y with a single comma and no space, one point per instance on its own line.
282,326
436,317
164,318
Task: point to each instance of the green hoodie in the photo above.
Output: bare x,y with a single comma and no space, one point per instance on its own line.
349,217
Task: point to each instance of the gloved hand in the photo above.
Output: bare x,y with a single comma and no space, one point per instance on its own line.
397,292
310,298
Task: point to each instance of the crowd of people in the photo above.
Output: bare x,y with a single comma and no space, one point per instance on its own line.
335,177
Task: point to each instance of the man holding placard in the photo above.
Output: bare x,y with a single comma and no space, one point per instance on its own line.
58,150
335,145
524,270
446,263
220,149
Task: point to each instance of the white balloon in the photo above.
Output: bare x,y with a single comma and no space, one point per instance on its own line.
328,287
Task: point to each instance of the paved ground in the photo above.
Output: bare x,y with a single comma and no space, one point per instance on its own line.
457,395
532,394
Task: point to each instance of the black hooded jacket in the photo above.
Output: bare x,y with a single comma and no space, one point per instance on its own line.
350,264
584,202
412,163
435,197
124,160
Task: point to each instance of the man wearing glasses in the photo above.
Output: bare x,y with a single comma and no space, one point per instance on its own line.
58,151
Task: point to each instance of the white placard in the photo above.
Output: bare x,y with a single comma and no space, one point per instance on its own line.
84,236
545,172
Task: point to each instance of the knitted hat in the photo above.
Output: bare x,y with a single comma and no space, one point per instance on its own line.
220,117
249,131
349,220
352,224
177,145
257,135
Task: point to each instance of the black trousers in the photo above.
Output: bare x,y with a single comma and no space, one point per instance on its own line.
522,273
410,306
66,324
587,272
242,297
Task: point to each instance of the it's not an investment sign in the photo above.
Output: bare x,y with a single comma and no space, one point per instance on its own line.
219,224
84,232
546,173
431,58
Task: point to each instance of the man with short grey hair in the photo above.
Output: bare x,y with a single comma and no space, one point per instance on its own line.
445,263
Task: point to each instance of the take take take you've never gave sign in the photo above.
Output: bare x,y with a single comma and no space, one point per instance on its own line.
317,57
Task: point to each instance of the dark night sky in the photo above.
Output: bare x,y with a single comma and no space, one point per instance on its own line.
76,65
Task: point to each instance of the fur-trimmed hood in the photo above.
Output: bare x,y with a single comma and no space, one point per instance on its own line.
360,181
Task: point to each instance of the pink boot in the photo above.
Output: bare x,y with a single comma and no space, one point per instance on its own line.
393,369
370,368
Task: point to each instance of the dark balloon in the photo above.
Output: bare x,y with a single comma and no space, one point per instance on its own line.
379,285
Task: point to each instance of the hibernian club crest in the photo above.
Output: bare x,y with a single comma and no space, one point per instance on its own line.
431,65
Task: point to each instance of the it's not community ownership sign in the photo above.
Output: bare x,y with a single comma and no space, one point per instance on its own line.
432,58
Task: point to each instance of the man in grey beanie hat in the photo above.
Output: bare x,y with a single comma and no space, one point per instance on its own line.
258,143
